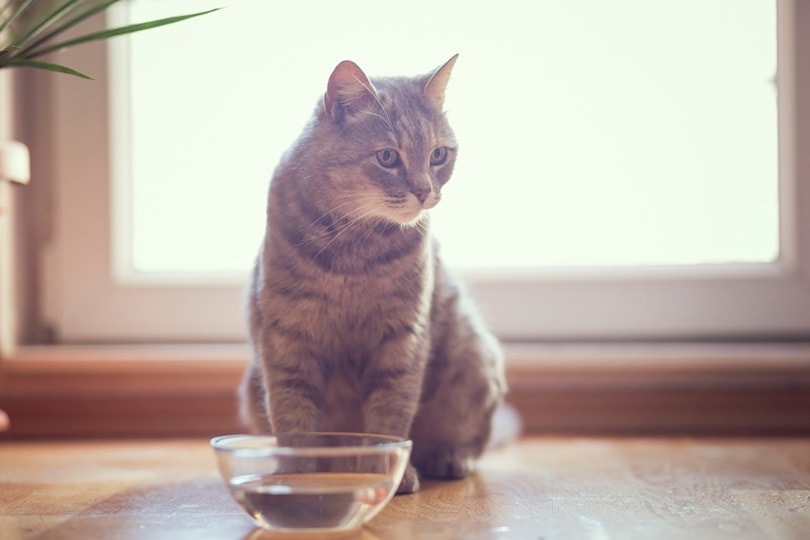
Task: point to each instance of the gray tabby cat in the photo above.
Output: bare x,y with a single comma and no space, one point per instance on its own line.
355,324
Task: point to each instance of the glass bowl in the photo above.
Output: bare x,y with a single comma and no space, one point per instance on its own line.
312,482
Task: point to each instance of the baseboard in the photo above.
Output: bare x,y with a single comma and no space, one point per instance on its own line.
190,390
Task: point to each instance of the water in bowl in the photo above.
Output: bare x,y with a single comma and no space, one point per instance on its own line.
312,501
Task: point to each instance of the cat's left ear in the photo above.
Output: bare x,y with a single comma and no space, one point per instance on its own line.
436,85
348,89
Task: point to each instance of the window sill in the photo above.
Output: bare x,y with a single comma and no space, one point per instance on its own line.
190,390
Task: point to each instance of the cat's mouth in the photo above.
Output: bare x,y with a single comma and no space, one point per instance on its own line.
407,209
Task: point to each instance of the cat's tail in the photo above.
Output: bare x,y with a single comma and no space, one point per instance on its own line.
507,426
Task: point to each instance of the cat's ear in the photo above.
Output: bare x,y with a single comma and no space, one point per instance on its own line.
437,83
348,88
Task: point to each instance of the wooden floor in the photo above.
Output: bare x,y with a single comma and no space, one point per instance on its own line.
549,488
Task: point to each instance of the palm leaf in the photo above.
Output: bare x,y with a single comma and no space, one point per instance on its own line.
22,6
44,28
86,14
45,23
112,32
47,66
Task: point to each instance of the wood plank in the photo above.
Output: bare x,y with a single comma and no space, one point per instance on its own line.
538,487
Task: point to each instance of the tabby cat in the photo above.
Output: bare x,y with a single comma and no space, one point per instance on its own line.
355,323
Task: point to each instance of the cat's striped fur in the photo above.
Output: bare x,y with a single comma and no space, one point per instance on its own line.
355,324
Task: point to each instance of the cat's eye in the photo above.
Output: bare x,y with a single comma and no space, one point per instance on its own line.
388,158
438,156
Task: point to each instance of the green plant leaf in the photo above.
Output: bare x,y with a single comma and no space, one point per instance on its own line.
7,52
22,6
86,14
46,26
106,34
46,22
22,62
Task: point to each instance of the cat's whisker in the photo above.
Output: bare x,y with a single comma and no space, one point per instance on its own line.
352,224
383,118
371,91
334,207
355,222
419,225
366,237
350,200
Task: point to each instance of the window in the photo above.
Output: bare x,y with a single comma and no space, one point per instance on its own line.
609,132
694,226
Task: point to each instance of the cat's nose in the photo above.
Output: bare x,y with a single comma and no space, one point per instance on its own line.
421,194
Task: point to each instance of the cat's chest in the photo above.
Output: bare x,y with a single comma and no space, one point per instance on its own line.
356,313
349,309
364,302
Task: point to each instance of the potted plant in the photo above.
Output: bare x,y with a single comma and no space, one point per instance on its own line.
29,31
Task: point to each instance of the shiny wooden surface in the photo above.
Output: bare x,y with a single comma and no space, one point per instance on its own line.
536,488
170,390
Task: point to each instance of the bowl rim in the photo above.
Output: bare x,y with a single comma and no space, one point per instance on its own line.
389,442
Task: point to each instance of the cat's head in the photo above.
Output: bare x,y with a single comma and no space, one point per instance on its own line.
387,148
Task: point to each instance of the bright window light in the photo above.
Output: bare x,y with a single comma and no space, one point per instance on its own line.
591,132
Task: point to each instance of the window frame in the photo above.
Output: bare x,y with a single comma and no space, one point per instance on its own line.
85,300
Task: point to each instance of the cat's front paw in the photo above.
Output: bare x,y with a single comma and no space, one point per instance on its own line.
447,465
410,481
